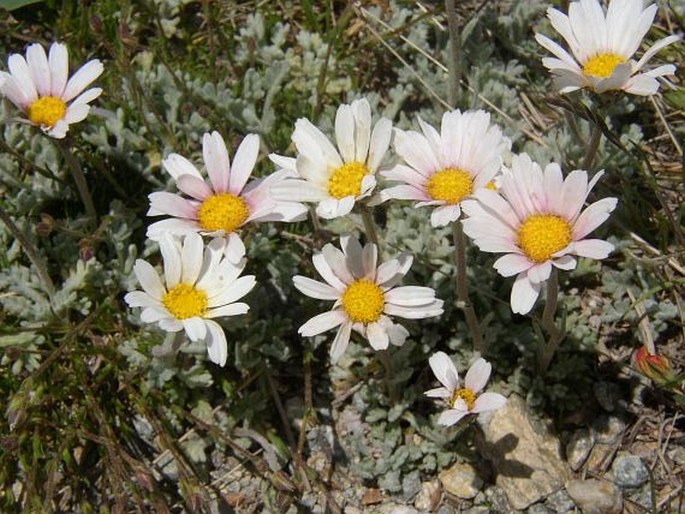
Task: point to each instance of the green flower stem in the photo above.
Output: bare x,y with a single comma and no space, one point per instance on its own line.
548,323
593,146
454,65
463,288
31,252
79,179
369,225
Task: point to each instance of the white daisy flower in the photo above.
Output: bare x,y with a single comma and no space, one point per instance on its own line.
537,219
200,284
335,178
365,296
38,86
442,169
467,399
224,203
603,45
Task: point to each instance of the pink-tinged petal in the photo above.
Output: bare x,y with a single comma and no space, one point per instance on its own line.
444,215
294,190
326,271
232,309
217,347
410,296
162,202
573,194
369,260
76,113
344,132
140,299
191,258
393,271
58,130
193,186
540,272
342,339
404,192
39,68
20,73
489,401
566,262
322,323
315,289
243,163
523,294
451,417
171,256
149,279
512,264
415,150
217,161
58,61
377,336
494,244
177,166
405,174
592,217
173,226
444,370
438,392
13,92
478,375
195,328
82,79
593,248
336,261
380,142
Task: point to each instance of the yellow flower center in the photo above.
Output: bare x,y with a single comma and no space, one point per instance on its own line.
224,211
363,301
450,185
347,180
543,235
184,301
465,394
47,110
602,65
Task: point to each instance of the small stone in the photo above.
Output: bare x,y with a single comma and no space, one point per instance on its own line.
677,455
595,496
578,448
372,497
477,510
446,509
643,497
608,395
352,510
461,480
608,429
429,496
629,471
394,508
539,508
411,485
560,502
498,500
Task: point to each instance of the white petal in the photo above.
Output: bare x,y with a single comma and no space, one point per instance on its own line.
58,60
540,272
438,392
342,339
217,348
450,417
444,215
369,260
140,299
362,121
235,291
76,113
87,96
377,336
488,401
217,161
523,294
193,186
39,68
592,217
444,370
512,264
232,309
326,271
380,142
478,375
149,279
393,271
21,74
323,322
353,255
593,248
243,163
173,226
315,289
191,258
409,296
82,79
172,261
177,165
336,261
195,328
344,132
416,312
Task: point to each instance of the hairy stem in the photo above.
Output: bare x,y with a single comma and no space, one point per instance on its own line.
31,252
593,146
454,65
463,288
79,179
386,360
548,323
369,225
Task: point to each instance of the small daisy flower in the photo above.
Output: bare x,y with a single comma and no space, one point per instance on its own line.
200,284
39,85
224,203
365,296
603,45
467,399
335,178
442,169
537,219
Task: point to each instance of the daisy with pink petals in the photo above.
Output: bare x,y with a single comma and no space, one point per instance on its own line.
537,219
225,203
39,85
464,400
443,168
365,296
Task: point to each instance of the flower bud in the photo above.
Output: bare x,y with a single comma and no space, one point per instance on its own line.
656,367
